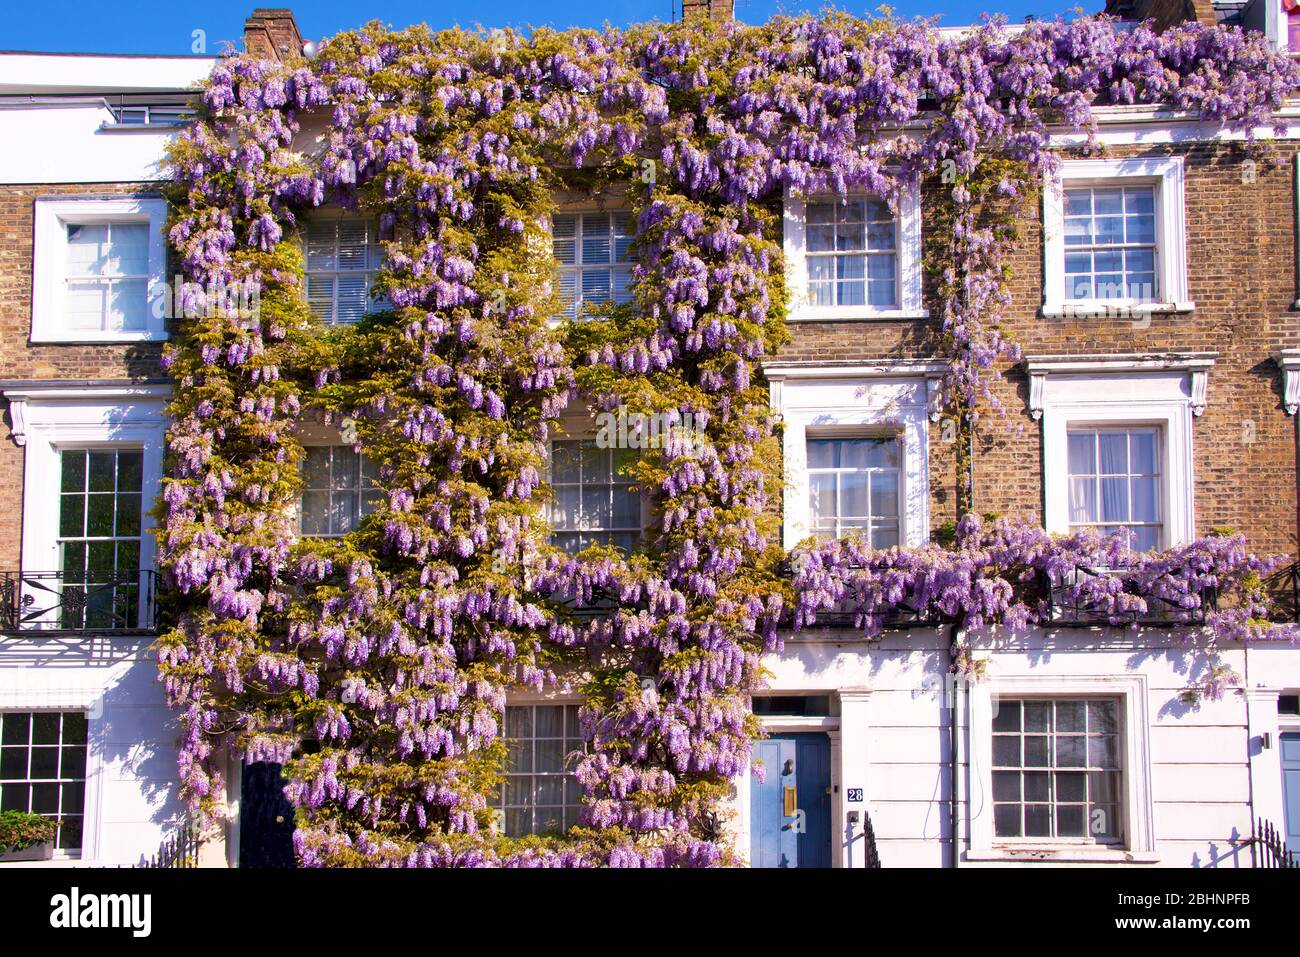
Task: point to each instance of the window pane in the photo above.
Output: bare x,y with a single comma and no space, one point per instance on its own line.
45,727
128,252
884,494
1006,785
1145,538
821,239
1144,499
850,237
1006,820
854,500
1007,716
321,240
1114,500
1142,447
564,231
1083,453
103,471
596,245
1070,716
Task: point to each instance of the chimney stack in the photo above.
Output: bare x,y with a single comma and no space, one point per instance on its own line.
719,11
271,33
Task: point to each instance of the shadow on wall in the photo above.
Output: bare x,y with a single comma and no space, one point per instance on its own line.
1235,852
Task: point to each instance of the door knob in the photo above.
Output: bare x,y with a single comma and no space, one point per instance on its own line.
789,801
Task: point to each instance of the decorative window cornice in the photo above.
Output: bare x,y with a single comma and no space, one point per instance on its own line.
89,393
1195,364
1288,361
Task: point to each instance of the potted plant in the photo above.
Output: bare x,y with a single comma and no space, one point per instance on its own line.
26,837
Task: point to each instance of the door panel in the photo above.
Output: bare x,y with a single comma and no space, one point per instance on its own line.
814,764
798,779
265,818
773,840
1290,747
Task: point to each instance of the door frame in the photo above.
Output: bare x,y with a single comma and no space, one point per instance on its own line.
794,724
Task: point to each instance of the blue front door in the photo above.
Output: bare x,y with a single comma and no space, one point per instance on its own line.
790,811
1291,788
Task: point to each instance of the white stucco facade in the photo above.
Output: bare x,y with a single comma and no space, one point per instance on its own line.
1194,775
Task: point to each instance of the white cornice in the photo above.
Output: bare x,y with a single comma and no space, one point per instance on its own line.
21,394
932,370
1288,361
870,369
1196,364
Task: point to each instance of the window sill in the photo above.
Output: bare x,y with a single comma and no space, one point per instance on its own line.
1092,309
1061,854
115,338
111,127
857,314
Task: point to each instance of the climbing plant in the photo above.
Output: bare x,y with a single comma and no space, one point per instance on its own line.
375,666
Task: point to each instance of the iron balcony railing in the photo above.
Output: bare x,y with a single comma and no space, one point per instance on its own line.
1070,607
1282,588
57,602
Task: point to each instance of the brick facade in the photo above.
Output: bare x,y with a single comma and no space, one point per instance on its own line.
21,360
1241,263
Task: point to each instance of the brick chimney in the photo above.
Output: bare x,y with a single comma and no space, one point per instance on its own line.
719,11
1164,13
271,33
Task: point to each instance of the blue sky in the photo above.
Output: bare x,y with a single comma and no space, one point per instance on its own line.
82,26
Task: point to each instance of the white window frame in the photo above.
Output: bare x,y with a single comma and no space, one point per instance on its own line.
532,701
907,238
65,695
867,533
862,400
1127,429
583,435
577,268
335,216
1166,175
49,420
314,442
1130,691
62,854
1121,390
52,217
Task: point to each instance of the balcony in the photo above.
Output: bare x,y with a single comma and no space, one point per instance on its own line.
47,603
1070,606
1282,589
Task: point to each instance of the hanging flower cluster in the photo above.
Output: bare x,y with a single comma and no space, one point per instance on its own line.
375,666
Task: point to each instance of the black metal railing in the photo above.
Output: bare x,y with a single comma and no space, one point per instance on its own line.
1070,606
1271,850
899,617
180,850
872,853
62,602
1282,589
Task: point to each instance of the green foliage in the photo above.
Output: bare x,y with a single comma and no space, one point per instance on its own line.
19,831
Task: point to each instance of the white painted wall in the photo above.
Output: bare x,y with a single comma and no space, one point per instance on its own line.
53,143
132,735
62,72
894,738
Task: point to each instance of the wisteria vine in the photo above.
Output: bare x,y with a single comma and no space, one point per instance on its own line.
375,667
